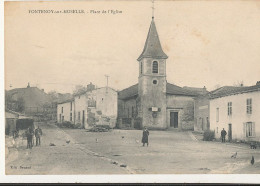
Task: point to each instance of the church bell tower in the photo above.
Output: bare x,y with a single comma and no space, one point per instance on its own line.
152,81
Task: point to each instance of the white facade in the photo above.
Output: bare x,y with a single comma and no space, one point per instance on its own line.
80,109
65,112
237,115
96,107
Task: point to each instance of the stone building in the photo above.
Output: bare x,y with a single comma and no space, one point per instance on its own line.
154,102
236,110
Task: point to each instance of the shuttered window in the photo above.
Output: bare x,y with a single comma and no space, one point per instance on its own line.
217,114
249,106
249,128
229,108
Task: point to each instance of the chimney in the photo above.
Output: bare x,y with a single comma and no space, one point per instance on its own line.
90,87
43,90
28,86
258,83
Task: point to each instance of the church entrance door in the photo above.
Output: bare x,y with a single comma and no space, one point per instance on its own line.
174,119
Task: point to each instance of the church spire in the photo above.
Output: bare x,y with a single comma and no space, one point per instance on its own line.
152,47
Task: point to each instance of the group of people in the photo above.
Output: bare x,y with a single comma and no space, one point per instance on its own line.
30,133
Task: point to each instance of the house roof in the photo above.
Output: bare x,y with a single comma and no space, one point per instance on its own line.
66,101
170,90
231,90
152,47
185,91
32,96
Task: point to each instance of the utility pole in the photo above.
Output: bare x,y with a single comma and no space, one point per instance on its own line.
107,82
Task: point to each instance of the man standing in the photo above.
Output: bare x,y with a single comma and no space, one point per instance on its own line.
223,135
29,135
145,136
38,133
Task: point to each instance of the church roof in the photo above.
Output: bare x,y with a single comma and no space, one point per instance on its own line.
171,89
152,47
128,92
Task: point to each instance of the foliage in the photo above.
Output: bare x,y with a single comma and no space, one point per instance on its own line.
67,124
79,89
208,135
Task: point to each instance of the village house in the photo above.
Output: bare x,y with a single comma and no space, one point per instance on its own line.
96,106
201,112
236,109
154,102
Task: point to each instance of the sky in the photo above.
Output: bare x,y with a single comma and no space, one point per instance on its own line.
209,43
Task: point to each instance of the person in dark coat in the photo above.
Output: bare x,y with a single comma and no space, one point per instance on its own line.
223,135
38,133
29,135
145,136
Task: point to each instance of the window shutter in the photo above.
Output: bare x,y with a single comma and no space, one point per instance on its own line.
244,129
253,129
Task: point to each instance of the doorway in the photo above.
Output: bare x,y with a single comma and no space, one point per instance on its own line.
229,132
83,118
174,119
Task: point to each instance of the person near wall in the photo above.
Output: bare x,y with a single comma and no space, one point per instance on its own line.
223,135
145,136
38,133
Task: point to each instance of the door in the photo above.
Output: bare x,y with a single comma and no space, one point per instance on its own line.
174,119
83,118
208,126
229,132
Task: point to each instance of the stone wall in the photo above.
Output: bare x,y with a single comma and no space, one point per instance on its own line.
201,114
184,105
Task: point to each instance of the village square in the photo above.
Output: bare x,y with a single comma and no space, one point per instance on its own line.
151,127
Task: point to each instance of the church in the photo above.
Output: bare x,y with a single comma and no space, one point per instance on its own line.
153,102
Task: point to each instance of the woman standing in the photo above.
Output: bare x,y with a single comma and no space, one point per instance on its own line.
145,136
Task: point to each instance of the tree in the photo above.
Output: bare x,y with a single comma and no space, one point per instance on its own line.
20,104
79,89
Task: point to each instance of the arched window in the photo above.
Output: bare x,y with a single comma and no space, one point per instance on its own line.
155,67
141,67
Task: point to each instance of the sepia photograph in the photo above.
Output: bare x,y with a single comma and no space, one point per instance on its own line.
162,87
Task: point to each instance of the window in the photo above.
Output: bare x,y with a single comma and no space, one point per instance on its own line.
70,105
249,106
250,129
78,116
154,82
128,115
217,129
62,118
229,108
70,116
141,67
133,110
155,67
217,114
61,109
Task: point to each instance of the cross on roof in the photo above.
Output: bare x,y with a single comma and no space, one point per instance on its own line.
153,9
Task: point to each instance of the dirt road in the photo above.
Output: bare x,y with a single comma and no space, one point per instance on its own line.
121,152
